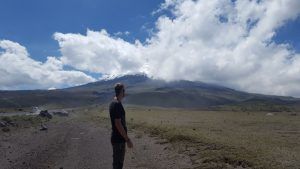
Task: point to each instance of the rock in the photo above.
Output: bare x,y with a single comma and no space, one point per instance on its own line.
45,113
192,154
3,124
43,127
5,129
6,119
12,123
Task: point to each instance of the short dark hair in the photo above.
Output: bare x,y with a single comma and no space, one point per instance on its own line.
119,87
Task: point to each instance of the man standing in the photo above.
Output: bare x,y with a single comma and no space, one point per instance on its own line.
119,130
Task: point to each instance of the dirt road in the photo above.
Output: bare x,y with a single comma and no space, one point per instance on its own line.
74,144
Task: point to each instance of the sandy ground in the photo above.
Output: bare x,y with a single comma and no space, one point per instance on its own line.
75,144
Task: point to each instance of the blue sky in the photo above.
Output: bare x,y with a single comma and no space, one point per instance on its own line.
255,49
32,23
290,33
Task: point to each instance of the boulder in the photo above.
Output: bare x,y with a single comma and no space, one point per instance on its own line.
7,119
12,123
43,127
3,124
45,113
5,129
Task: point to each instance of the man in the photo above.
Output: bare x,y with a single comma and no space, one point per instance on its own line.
119,130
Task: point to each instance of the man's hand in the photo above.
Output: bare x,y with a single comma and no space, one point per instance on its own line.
123,133
129,143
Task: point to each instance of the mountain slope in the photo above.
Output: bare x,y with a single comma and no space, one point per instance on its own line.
142,90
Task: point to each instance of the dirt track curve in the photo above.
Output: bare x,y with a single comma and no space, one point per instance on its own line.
75,144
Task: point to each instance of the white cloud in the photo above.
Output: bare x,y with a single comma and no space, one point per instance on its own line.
19,71
100,52
126,33
218,41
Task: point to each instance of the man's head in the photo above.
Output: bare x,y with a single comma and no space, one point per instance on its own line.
119,90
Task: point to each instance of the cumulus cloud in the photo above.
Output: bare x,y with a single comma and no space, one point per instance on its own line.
228,43
101,53
19,71
218,41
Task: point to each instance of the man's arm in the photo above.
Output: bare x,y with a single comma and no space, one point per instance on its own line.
123,133
121,129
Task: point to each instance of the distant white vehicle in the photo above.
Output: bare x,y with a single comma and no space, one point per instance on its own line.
35,110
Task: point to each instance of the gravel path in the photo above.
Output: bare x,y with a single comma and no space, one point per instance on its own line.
75,144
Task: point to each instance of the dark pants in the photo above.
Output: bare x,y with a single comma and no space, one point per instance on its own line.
118,155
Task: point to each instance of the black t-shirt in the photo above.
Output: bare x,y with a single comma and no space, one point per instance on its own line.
117,111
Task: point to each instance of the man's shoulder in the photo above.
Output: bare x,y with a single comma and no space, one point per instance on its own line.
114,103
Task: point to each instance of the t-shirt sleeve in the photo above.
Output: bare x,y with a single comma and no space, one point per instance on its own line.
118,111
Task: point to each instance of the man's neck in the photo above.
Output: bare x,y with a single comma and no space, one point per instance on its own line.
118,98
